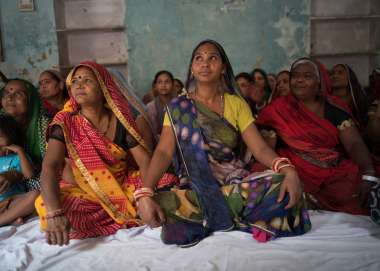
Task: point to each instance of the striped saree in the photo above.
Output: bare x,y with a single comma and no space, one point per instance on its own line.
106,176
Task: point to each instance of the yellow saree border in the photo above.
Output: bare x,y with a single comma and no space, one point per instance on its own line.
118,216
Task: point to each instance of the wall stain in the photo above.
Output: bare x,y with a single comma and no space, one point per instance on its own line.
288,39
30,46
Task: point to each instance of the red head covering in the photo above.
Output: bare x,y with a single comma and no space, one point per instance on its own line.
112,93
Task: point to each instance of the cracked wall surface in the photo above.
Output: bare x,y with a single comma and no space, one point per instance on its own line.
28,39
161,34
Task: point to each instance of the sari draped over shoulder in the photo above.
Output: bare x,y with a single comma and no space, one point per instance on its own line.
106,176
313,146
223,195
156,112
35,139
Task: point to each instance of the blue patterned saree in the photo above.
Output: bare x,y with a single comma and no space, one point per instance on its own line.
222,195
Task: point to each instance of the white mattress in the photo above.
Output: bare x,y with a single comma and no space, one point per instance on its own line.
337,241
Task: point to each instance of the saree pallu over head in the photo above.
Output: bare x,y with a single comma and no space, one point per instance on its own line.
312,145
99,165
301,129
359,97
35,144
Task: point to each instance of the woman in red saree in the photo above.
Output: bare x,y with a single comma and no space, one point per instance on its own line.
316,131
107,155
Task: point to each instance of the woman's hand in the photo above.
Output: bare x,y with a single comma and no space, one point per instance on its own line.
150,212
13,148
4,184
292,185
57,231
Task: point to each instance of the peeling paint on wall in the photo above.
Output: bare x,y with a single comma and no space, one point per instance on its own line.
287,40
267,34
161,35
30,45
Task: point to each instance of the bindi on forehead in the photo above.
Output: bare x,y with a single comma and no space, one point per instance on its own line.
207,49
15,86
207,52
83,72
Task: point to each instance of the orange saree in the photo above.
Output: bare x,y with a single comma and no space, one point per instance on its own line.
106,176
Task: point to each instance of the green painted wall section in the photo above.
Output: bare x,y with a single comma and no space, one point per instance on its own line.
28,39
162,33
255,33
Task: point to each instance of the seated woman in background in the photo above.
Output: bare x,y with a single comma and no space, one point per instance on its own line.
373,90
20,99
248,90
150,127
208,126
178,86
244,82
52,91
15,203
373,127
272,81
282,86
261,82
346,86
107,156
373,136
163,87
148,97
310,127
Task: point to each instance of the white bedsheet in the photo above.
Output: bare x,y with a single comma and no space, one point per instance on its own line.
337,241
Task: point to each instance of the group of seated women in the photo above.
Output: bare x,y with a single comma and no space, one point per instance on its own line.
216,157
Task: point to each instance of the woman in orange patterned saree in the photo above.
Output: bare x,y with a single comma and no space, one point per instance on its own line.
98,135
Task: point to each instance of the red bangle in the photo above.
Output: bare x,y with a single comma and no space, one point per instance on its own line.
284,166
280,163
143,192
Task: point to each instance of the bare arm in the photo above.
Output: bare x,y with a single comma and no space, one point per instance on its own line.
256,144
162,157
58,227
145,130
271,141
357,150
149,211
142,159
52,163
265,155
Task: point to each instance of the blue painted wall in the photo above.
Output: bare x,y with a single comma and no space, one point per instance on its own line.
28,39
162,33
255,33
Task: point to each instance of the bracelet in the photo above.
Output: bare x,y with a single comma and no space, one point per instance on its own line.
280,163
371,179
284,166
143,192
276,161
56,213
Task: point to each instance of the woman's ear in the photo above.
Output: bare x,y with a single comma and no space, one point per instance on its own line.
224,69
